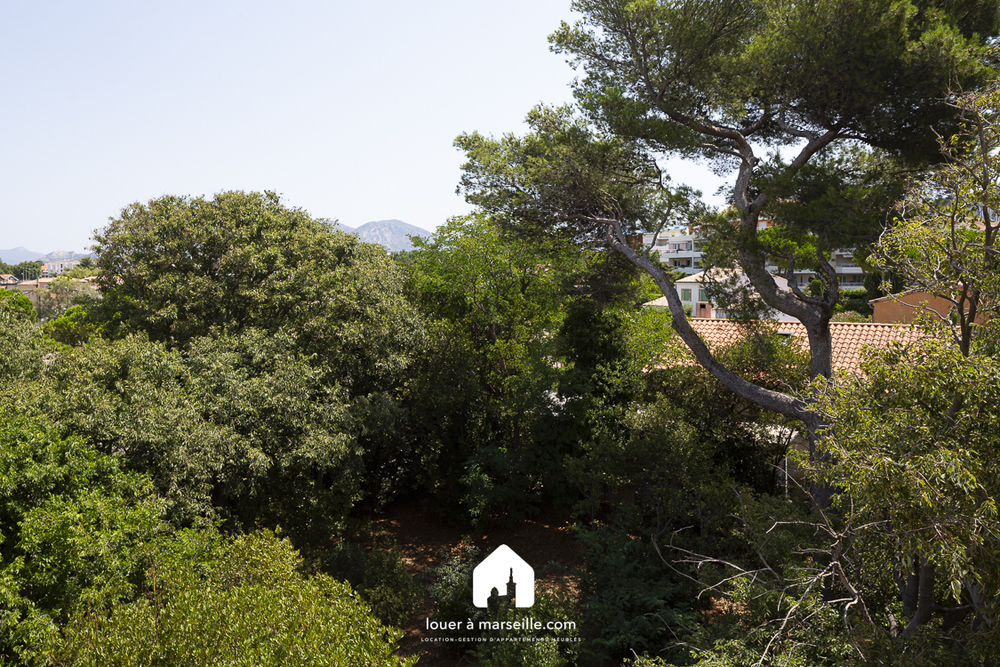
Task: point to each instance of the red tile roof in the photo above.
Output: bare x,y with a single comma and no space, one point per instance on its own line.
848,337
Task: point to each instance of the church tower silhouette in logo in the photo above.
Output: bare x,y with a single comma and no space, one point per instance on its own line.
503,570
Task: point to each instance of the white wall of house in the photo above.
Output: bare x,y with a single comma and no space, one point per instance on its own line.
693,290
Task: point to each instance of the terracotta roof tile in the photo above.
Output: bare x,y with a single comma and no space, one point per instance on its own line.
848,337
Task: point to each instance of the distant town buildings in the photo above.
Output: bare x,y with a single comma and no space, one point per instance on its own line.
54,268
679,248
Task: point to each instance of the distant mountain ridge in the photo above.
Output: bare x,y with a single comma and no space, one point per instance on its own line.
390,234
22,254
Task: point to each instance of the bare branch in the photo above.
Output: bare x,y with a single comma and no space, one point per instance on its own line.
790,129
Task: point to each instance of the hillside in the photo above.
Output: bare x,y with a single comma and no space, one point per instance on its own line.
390,234
339,226
22,254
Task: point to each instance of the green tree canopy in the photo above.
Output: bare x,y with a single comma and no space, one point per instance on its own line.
495,301
216,602
707,76
16,304
919,479
724,80
237,428
72,528
916,437
178,268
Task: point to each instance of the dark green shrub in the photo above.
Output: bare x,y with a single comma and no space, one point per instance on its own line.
631,601
71,328
17,305
344,561
390,590
856,300
379,576
451,586
500,486
850,316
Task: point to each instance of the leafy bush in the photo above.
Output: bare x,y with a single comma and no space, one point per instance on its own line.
379,576
850,316
21,347
213,603
856,300
630,600
500,486
72,528
390,590
237,429
451,588
17,304
72,327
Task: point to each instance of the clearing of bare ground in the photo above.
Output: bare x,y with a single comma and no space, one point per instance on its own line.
424,540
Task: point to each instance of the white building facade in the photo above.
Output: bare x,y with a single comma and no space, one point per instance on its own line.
693,291
56,267
680,248
849,274
677,248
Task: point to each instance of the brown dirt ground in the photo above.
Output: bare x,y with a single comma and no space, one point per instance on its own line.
423,539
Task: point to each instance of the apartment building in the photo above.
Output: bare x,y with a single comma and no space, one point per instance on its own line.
54,268
680,248
849,274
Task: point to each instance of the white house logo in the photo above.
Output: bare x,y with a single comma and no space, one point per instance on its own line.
503,574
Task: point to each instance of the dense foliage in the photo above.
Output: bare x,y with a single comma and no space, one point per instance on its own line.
212,602
505,376
180,268
72,528
189,464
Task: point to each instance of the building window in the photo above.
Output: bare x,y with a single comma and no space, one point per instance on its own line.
702,295
685,295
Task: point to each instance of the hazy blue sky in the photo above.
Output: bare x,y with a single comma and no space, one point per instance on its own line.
348,109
